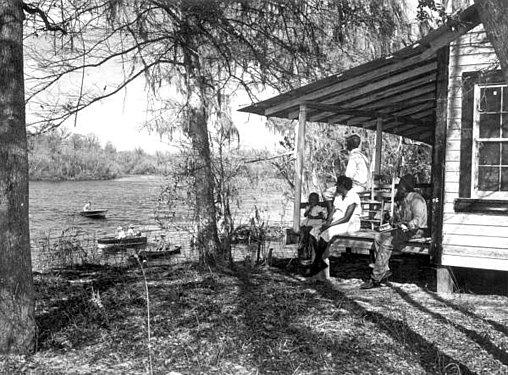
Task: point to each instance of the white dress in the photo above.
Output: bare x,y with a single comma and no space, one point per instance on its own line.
341,204
315,211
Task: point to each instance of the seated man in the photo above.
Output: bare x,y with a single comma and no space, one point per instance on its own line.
409,218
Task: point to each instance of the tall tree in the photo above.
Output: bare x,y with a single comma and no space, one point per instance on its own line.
493,14
204,48
17,320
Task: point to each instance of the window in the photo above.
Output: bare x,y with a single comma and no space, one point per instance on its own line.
483,177
490,142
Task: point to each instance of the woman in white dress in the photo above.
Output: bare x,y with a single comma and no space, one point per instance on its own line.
343,217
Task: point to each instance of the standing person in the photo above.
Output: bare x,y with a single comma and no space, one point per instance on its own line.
88,206
315,215
410,216
130,231
343,217
358,164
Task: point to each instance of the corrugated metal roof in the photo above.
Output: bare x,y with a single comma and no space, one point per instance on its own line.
400,88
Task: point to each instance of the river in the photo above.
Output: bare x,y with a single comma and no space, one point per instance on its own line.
55,206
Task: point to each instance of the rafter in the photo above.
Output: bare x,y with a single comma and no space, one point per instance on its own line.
364,114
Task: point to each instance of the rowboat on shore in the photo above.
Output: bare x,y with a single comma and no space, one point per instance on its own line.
159,254
94,214
121,243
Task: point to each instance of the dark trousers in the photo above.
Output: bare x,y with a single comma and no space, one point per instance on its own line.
319,249
384,244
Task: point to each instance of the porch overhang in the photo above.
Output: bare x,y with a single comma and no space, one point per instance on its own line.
399,89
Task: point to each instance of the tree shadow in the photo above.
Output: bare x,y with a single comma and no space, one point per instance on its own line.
406,268
424,351
413,341
481,340
467,311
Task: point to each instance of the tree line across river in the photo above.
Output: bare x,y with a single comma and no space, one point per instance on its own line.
59,156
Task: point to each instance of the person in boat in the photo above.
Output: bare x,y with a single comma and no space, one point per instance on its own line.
88,206
344,212
120,233
130,231
410,217
162,243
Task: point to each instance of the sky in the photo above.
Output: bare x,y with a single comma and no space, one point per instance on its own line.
118,119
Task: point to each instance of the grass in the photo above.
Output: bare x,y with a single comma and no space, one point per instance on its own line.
266,320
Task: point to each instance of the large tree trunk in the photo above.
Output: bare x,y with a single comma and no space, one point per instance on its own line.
17,321
207,237
494,16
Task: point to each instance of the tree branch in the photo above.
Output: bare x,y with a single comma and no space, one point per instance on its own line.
49,26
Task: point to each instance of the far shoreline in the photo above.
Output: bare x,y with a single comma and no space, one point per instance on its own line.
56,179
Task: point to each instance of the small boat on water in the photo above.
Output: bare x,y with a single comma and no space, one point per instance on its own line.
121,243
95,214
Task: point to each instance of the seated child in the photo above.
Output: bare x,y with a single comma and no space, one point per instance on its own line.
315,216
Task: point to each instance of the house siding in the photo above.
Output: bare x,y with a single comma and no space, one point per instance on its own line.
469,240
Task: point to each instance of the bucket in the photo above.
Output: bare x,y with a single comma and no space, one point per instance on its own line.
291,237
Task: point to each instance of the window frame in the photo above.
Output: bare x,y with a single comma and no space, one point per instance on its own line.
476,193
465,203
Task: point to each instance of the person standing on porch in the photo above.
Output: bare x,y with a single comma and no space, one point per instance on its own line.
410,217
343,217
357,168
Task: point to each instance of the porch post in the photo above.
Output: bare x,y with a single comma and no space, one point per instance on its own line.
439,156
300,146
379,145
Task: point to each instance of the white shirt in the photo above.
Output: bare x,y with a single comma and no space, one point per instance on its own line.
357,169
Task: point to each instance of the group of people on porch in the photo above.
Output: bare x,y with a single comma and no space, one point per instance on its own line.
342,212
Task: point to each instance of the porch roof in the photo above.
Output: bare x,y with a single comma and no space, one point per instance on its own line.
400,89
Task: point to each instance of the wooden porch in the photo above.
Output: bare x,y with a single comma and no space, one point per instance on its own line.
404,94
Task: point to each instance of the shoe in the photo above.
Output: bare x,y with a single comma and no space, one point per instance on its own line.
386,276
316,268
370,284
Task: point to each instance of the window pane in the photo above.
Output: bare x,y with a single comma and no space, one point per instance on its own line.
504,179
489,153
504,153
504,122
488,178
505,99
489,125
490,99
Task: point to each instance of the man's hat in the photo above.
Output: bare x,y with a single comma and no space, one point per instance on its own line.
409,180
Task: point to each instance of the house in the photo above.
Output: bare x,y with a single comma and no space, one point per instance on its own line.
445,90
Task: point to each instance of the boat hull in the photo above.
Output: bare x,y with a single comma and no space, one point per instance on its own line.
121,243
94,214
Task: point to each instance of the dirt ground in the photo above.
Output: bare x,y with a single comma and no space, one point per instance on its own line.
468,330
265,320
416,269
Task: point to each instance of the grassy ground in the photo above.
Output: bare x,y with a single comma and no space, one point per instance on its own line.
262,320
